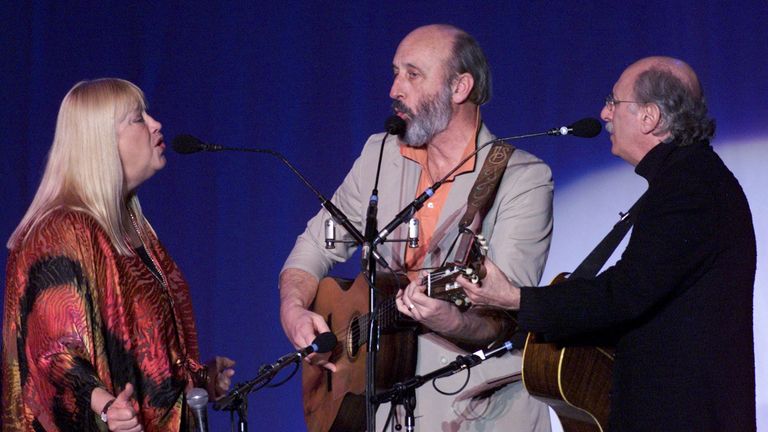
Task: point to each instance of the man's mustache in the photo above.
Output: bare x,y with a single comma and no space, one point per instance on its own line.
399,106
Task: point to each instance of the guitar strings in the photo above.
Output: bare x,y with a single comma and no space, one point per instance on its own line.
387,312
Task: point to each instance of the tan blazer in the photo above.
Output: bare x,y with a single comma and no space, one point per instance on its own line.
518,227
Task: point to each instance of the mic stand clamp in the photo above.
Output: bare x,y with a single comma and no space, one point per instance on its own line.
404,393
399,389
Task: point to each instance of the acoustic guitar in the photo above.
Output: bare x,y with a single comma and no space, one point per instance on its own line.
336,401
575,380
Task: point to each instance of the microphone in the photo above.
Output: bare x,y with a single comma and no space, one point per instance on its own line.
413,233
330,234
186,144
496,352
585,128
323,343
394,125
197,399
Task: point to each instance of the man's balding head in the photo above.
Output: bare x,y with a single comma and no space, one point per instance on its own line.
673,86
459,52
678,68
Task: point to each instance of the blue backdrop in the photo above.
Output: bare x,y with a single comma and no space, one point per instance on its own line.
311,80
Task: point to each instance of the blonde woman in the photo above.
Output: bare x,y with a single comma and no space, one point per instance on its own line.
98,330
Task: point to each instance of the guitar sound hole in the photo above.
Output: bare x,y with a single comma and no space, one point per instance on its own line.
353,337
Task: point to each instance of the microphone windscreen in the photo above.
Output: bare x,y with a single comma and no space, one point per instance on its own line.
325,342
197,398
586,128
186,144
394,125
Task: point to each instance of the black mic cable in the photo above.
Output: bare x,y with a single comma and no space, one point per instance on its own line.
394,125
461,363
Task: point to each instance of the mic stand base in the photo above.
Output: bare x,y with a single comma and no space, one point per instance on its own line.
238,405
242,416
409,404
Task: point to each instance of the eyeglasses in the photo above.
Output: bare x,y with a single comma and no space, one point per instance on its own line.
611,102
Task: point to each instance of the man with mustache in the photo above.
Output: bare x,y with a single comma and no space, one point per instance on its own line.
678,304
440,79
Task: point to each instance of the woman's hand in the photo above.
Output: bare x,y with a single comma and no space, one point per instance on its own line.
121,415
220,371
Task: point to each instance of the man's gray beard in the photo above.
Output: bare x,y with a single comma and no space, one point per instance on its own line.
432,118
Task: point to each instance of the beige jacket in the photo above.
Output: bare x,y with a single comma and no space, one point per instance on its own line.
518,227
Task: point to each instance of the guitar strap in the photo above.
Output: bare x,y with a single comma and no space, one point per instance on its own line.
487,183
600,254
479,200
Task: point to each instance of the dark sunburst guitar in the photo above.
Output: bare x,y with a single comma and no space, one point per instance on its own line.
336,401
575,380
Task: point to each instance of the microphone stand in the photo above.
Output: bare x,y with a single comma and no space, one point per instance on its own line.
237,399
370,257
409,400
403,393
369,266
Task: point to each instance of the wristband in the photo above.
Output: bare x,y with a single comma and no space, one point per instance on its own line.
105,409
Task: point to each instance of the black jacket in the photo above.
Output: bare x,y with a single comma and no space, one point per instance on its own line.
679,300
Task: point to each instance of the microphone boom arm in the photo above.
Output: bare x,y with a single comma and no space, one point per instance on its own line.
334,211
583,128
456,366
418,203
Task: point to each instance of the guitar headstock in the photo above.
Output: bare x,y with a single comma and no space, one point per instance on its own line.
468,261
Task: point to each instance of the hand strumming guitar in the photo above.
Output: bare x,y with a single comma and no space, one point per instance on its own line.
297,290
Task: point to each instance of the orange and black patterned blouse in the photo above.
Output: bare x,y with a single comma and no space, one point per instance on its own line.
78,316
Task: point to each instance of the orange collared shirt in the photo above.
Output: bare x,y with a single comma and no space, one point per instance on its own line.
429,214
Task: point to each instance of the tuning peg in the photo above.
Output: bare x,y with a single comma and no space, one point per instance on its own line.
475,279
468,271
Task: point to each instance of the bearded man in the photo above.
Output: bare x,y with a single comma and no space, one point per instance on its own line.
440,79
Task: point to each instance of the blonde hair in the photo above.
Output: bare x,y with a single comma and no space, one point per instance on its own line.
83,171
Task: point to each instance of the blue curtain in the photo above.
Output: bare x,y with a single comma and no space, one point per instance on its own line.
311,80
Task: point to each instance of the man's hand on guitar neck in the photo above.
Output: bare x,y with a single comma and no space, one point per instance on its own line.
494,290
297,290
438,315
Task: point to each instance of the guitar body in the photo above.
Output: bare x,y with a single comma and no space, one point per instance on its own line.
336,401
574,380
